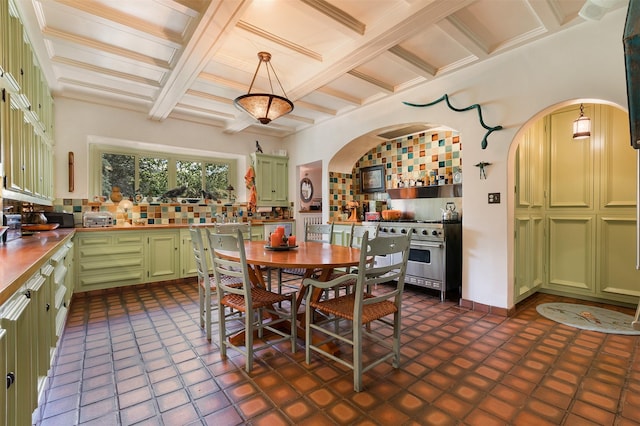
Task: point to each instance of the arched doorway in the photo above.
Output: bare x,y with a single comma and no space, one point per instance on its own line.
574,209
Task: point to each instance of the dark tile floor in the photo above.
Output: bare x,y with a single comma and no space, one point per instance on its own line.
138,356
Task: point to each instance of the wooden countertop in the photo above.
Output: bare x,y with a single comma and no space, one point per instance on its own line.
21,258
172,226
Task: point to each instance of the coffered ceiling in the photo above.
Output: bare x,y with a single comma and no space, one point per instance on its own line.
191,58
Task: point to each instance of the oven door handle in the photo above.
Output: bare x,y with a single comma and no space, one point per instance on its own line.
419,245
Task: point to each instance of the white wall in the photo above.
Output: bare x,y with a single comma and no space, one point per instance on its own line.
584,62
78,123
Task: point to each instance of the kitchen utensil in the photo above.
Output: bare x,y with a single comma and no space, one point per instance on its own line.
450,214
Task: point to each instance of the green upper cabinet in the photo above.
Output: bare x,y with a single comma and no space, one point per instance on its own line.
26,116
272,180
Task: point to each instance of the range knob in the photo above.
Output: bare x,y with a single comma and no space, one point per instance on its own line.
392,230
434,232
425,232
404,231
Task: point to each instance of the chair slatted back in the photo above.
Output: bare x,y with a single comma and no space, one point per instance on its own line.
397,249
358,232
232,228
230,268
199,253
322,233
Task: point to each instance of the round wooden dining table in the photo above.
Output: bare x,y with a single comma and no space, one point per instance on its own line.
314,257
311,256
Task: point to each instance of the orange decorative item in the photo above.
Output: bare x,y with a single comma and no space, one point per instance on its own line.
292,240
275,239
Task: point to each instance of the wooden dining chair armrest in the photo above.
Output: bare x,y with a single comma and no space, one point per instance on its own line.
310,282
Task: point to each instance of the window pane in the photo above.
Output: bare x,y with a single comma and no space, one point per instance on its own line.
217,179
189,174
153,176
118,170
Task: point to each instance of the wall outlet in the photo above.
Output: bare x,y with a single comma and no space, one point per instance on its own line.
494,198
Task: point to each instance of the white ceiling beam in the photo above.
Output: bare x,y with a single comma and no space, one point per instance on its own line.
340,95
337,15
410,60
279,40
314,107
56,35
372,80
421,14
214,26
105,71
113,15
105,89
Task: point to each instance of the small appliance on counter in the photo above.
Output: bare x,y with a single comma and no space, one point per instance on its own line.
65,220
13,222
97,220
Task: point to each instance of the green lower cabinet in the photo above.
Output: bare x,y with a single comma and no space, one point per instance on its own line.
110,258
3,373
16,319
163,256
187,261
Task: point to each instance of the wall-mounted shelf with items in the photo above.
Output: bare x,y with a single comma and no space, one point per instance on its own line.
432,191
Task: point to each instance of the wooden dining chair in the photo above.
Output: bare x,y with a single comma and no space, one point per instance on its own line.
254,302
231,228
206,281
355,310
322,233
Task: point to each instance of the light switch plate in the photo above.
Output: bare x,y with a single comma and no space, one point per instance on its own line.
494,198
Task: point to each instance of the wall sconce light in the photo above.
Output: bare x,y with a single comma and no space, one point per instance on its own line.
264,107
582,125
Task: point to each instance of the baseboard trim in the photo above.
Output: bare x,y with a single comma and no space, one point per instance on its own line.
481,307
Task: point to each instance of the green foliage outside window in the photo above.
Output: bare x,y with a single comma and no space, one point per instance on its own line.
154,175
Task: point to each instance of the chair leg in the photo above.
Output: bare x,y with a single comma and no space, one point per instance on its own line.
294,323
201,301
308,318
396,340
207,314
357,356
222,331
248,339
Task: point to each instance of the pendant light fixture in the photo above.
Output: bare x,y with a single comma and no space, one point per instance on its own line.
264,107
582,126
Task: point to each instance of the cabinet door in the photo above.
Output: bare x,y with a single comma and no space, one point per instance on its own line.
187,260
3,373
281,181
16,319
264,180
163,256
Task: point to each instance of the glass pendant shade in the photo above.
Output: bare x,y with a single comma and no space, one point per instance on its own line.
582,126
264,107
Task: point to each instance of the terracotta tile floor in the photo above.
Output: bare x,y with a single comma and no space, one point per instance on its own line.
139,357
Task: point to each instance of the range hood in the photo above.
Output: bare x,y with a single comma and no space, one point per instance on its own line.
431,191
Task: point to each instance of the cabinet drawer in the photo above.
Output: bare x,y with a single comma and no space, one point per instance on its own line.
115,278
110,251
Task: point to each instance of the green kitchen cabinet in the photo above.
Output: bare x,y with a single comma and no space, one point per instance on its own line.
16,319
109,259
163,256
3,373
115,258
187,261
39,288
272,180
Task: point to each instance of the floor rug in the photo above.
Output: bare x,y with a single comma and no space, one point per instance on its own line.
588,317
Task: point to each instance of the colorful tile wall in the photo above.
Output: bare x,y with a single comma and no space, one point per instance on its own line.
157,214
412,157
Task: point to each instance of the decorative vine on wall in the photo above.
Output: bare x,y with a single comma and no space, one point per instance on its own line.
445,98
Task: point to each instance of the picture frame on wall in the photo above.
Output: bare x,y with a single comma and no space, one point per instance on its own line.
372,179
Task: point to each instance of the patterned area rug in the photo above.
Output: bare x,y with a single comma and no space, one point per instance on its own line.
588,317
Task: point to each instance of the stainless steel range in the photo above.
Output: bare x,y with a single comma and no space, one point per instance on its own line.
435,256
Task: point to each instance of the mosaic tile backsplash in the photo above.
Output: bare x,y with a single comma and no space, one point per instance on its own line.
414,157
159,213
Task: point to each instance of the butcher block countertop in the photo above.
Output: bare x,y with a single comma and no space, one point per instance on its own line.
21,258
